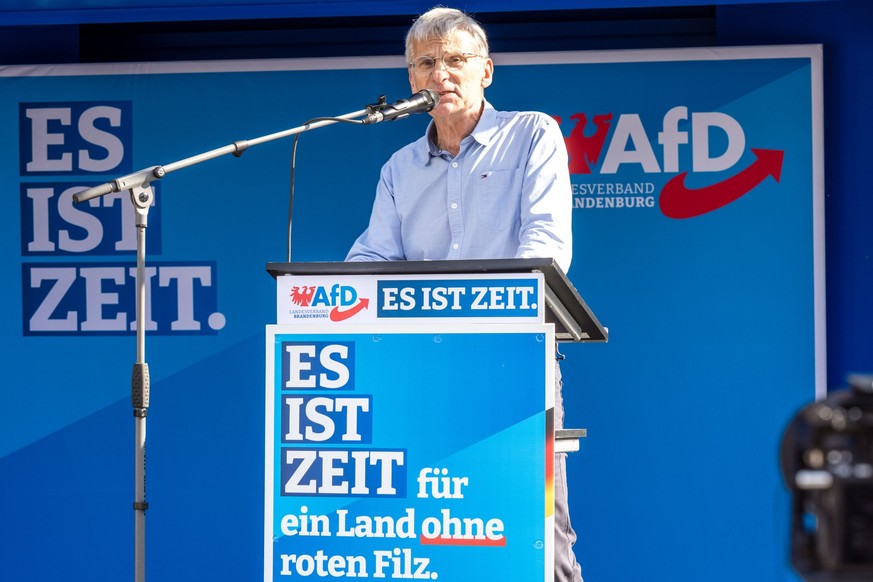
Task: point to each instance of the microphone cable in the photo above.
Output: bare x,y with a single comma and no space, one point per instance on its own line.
294,170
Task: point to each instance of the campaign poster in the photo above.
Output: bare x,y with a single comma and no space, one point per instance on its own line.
386,457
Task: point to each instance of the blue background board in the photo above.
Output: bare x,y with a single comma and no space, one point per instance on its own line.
64,11
432,398
710,318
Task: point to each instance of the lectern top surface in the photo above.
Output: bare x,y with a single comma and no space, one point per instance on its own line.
573,319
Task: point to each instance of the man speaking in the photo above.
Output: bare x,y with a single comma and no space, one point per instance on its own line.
480,184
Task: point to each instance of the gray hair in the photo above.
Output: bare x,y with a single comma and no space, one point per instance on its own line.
441,23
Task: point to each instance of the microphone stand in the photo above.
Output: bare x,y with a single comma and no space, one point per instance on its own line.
142,196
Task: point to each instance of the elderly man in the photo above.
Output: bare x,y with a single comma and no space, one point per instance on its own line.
480,183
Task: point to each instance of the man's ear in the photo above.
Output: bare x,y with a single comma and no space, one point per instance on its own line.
488,75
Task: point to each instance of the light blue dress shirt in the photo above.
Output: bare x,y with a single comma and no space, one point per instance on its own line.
506,194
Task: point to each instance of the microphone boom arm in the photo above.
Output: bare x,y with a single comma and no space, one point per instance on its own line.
142,178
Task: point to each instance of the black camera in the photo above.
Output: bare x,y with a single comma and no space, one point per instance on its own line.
827,463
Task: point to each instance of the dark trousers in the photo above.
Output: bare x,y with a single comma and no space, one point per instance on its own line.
567,569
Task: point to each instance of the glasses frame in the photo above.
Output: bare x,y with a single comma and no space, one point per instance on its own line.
465,56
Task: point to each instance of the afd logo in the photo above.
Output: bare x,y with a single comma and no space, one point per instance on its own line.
342,300
716,142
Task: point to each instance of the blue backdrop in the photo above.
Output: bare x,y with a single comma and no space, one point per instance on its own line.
682,448
66,11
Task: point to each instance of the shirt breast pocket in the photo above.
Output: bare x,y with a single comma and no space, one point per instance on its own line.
496,195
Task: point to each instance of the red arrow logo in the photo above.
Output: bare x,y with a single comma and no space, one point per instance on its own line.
337,314
677,201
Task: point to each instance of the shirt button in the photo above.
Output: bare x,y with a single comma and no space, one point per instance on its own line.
456,246
454,164
454,205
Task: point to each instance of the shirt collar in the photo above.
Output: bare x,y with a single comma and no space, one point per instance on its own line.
482,133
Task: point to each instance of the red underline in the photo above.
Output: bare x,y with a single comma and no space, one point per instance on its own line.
461,542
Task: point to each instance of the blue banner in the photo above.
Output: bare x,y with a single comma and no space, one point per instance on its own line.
698,241
426,478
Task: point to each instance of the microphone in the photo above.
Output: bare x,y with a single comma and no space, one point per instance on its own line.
421,102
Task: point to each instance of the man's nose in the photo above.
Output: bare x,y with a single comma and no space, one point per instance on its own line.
439,69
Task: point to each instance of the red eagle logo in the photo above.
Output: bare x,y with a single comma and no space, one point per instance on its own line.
302,295
584,150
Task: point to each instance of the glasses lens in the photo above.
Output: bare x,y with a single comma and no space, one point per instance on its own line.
454,61
423,64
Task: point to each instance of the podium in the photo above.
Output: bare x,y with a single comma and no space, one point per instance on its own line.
409,426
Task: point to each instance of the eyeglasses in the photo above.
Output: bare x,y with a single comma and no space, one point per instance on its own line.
452,62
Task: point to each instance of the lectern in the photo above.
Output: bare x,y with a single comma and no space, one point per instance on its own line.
409,418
